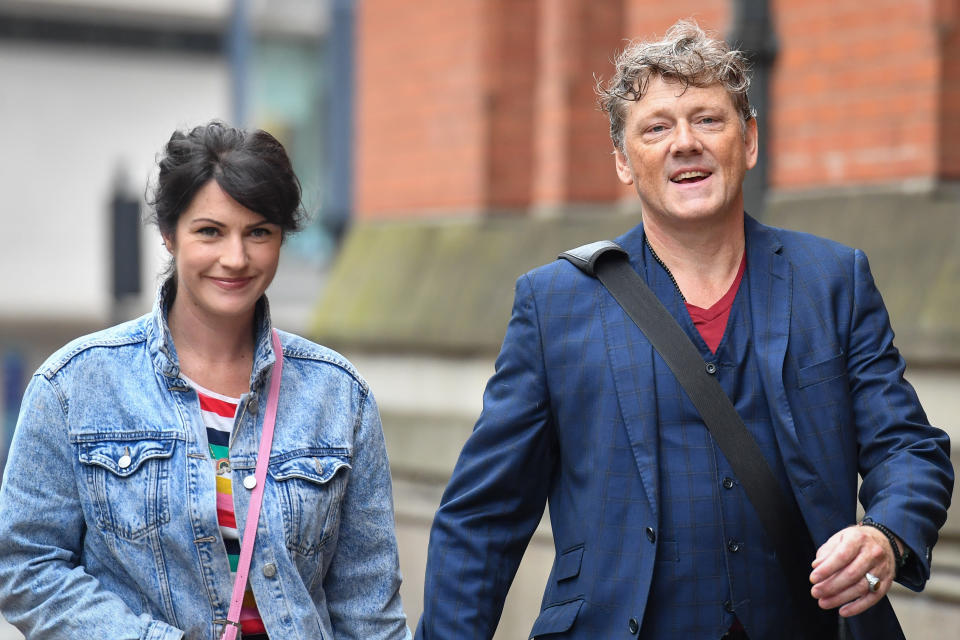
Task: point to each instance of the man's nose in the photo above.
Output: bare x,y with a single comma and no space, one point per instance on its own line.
685,139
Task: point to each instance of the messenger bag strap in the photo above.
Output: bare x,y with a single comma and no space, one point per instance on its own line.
782,521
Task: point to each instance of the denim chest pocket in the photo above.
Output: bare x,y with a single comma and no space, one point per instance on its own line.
129,482
311,486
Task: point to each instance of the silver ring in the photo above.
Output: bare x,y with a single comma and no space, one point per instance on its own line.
873,582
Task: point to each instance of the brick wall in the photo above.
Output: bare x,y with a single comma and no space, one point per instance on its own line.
573,163
469,106
948,29
420,101
650,18
478,106
855,93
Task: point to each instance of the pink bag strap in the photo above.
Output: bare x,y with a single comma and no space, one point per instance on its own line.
256,498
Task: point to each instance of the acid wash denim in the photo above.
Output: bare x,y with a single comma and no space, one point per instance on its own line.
92,546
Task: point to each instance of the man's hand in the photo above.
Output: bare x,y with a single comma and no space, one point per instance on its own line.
842,563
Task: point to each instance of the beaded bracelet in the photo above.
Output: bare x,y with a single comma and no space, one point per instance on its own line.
900,559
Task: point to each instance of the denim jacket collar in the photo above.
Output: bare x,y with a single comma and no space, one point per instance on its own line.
160,342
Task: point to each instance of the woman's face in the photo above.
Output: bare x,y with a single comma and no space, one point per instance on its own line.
225,254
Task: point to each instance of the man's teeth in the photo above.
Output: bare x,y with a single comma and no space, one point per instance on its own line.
686,175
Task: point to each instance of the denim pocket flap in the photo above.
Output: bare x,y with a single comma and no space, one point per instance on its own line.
316,468
568,564
123,457
817,372
556,619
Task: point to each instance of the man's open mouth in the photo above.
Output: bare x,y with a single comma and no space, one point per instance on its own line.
688,177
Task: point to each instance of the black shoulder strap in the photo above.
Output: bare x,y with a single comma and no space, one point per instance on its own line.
781,520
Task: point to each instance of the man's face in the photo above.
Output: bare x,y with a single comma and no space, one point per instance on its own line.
686,152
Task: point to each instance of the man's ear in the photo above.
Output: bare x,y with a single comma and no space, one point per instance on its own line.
624,170
751,140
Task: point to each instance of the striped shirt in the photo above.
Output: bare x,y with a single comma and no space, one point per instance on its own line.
218,413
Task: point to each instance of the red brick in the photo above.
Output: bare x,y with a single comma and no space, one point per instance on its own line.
481,105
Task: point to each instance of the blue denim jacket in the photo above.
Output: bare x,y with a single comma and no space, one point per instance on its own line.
91,547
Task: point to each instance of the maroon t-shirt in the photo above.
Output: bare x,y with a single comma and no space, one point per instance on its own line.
712,322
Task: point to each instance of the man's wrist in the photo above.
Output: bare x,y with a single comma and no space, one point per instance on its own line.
900,550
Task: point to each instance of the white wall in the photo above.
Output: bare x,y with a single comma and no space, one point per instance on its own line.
71,117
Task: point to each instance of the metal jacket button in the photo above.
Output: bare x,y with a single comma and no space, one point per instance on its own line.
269,570
125,459
250,482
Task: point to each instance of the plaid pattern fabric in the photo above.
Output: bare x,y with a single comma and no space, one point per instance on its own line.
570,417
713,557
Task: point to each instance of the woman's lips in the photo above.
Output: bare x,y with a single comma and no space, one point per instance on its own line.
231,284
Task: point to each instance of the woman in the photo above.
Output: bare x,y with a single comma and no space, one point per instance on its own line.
133,463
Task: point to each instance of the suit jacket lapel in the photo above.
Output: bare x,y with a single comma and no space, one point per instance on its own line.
771,298
631,364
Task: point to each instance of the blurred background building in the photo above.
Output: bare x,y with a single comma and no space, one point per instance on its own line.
451,145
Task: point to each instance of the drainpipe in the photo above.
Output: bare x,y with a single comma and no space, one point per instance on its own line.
339,88
753,33
238,53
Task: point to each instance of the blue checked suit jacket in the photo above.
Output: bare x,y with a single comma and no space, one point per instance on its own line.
569,417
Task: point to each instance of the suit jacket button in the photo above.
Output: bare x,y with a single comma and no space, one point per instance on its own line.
728,483
633,626
728,606
711,368
651,534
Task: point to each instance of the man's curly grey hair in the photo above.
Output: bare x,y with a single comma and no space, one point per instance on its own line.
686,54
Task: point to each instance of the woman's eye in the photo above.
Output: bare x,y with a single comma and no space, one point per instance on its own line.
261,232
209,232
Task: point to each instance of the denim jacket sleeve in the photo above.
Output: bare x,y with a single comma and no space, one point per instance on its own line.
362,585
44,590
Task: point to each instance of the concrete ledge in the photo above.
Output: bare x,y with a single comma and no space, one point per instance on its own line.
440,287
447,287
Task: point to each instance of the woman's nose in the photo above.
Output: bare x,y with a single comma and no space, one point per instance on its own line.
234,254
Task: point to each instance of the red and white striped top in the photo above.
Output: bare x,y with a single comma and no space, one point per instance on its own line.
218,413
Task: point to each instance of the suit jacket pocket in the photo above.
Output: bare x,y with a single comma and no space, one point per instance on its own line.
556,618
568,563
828,369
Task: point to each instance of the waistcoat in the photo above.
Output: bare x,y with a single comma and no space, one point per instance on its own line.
714,562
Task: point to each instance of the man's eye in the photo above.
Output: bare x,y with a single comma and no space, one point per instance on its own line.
657,128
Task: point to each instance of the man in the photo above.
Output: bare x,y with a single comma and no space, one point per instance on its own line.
654,535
